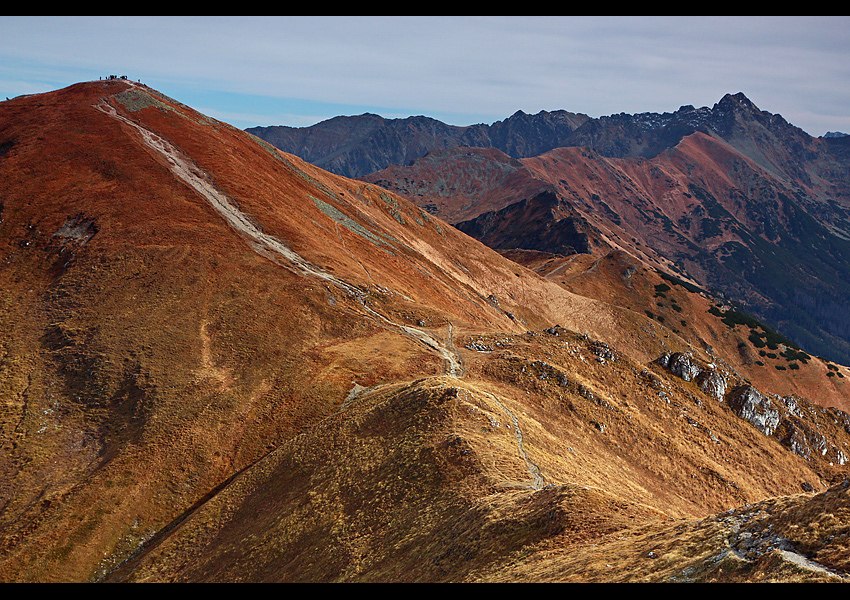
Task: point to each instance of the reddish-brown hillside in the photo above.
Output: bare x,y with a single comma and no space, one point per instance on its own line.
221,363
743,216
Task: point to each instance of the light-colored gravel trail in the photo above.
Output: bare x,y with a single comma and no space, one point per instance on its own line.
185,170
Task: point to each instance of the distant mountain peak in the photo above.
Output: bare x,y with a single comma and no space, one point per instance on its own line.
735,103
738,98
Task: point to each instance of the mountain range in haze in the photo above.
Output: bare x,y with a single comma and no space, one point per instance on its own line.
354,146
222,363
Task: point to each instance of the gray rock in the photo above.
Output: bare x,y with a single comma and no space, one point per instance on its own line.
792,404
478,347
712,383
683,365
663,360
602,350
748,403
795,439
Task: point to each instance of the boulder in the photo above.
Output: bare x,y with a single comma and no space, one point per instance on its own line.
748,403
683,365
712,383
663,360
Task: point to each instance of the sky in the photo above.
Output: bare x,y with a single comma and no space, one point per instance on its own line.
462,70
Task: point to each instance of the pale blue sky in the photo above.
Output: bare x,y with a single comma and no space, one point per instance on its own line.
297,71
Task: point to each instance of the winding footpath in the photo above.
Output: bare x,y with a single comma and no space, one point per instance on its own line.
185,170
537,480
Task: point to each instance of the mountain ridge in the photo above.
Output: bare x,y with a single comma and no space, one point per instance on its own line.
520,136
378,142
222,363
699,188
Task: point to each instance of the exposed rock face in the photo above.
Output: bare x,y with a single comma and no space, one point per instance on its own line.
684,366
804,441
712,383
804,428
681,364
796,440
750,405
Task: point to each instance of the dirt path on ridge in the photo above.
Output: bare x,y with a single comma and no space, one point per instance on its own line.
185,170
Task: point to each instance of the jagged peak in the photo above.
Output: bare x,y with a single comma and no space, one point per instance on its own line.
736,100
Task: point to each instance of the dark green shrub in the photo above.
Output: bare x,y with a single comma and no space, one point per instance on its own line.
756,340
792,354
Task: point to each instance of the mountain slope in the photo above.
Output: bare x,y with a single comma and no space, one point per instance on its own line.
222,363
767,194
161,339
732,198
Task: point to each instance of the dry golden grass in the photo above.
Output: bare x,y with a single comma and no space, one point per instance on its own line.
180,403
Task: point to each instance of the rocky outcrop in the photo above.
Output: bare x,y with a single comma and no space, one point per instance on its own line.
750,405
806,429
712,383
683,365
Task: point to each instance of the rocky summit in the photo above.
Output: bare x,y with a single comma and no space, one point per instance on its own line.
222,363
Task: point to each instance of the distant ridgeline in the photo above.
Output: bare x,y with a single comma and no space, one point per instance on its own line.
784,209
